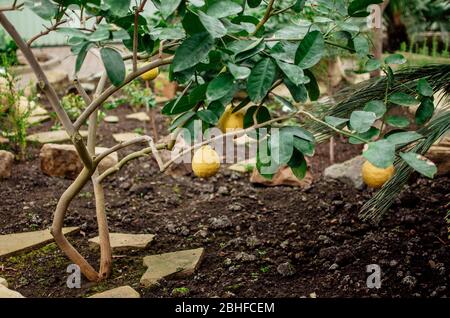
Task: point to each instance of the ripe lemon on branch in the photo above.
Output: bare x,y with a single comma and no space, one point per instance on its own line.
150,75
206,162
375,177
231,121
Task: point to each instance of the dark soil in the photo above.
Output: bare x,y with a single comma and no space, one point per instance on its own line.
316,231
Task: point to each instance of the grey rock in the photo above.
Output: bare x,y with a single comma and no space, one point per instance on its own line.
409,281
223,190
244,257
286,269
221,222
347,172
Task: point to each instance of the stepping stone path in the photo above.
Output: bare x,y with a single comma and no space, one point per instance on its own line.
33,120
170,265
348,172
111,119
119,292
11,244
123,137
124,241
5,292
56,136
141,116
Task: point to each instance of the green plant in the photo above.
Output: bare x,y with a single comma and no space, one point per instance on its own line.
73,105
138,96
8,48
15,109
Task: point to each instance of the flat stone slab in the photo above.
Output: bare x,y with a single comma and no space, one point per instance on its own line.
348,172
33,120
8,293
170,265
53,136
123,137
111,119
141,116
3,282
119,292
11,244
124,241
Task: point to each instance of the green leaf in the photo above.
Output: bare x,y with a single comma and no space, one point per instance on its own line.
299,5
335,121
372,65
377,107
424,88
217,108
299,132
397,121
304,146
298,165
368,135
310,50
208,116
358,8
46,9
361,45
281,146
192,24
380,153
262,116
402,99
361,121
403,138
113,62
181,120
264,163
253,3
119,7
419,163
299,93
82,55
167,7
260,80
293,72
312,87
177,106
425,111
239,72
284,102
223,8
219,87
193,50
213,25
397,59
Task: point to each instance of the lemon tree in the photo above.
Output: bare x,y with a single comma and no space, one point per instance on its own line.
217,50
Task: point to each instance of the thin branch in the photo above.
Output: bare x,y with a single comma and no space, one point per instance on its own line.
265,18
12,7
112,89
46,31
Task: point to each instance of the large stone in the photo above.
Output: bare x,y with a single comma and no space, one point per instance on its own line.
52,136
8,293
33,120
141,116
123,137
11,244
439,153
3,282
124,241
6,163
119,292
59,80
283,176
63,160
170,265
111,119
348,172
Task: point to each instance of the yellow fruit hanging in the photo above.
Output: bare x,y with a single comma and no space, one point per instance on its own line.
150,75
375,177
230,121
206,162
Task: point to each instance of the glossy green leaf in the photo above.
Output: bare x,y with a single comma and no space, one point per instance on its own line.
312,87
377,107
368,136
403,138
310,50
260,80
372,65
361,121
208,116
419,163
213,25
397,121
166,8
397,59
223,8
239,72
293,72
425,111
402,99
298,165
424,88
193,50
219,86
114,65
262,116
358,8
335,121
304,146
380,153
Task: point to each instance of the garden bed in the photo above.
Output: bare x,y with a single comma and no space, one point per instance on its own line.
316,230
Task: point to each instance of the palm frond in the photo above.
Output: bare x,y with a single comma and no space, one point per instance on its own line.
355,97
377,206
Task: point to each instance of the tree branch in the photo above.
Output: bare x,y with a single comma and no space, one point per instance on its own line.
265,17
45,32
112,89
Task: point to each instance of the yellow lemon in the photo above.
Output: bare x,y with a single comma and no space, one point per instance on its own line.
230,121
150,75
375,177
206,162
